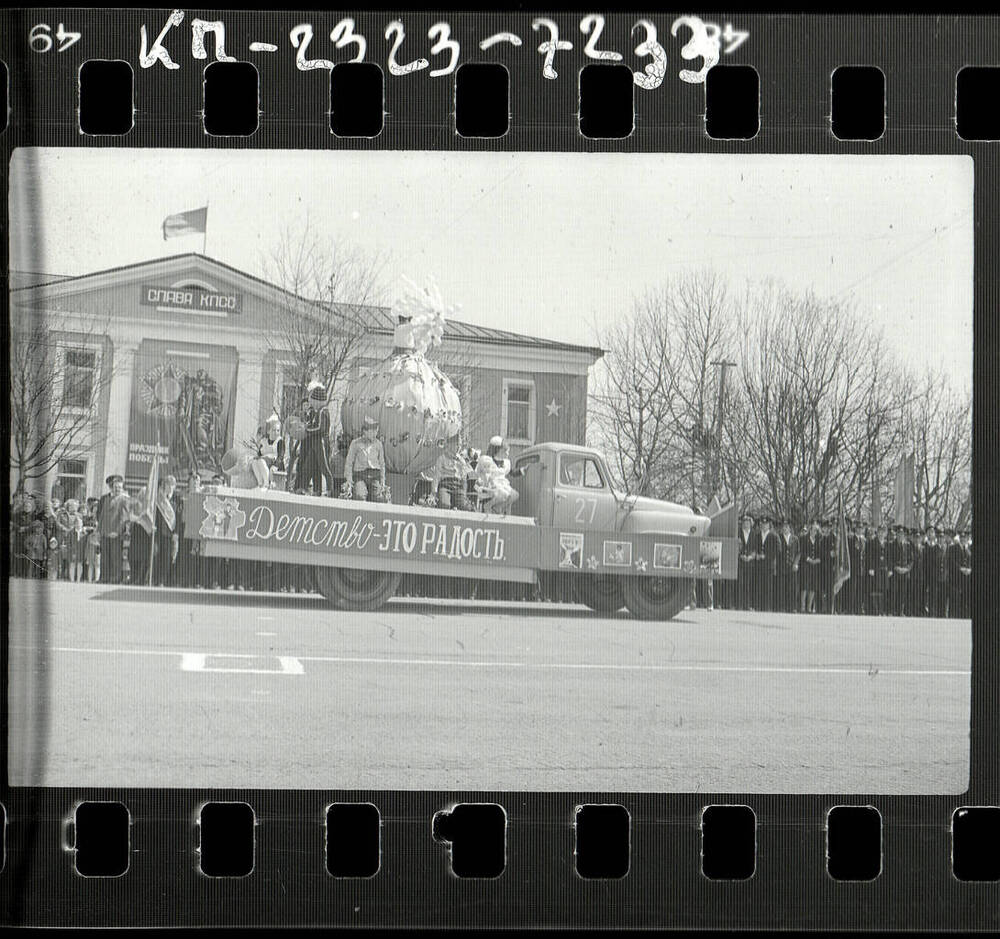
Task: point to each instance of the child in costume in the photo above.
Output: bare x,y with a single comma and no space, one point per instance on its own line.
364,465
492,470
314,465
36,547
76,545
271,447
449,475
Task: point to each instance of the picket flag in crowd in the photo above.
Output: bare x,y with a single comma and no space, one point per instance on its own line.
963,515
843,572
904,492
194,222
723,519
148,516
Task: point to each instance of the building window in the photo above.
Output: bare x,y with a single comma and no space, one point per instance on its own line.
71,478
519,411
292,394
79,372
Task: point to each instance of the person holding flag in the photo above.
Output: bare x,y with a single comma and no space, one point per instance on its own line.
140,543
143,527
166,541
842,554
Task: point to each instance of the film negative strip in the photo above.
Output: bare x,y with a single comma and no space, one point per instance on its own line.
499,469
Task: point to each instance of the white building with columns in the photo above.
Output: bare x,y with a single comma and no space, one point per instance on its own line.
193,325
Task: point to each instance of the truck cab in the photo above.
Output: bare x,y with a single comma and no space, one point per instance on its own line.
569,487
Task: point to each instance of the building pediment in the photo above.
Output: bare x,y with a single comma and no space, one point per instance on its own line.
185,289
191,291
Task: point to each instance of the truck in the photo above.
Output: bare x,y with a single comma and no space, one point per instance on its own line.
571,533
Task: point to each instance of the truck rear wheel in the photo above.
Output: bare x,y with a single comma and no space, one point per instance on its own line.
352,589
601,592
656,597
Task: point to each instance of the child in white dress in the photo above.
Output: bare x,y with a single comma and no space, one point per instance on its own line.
492,471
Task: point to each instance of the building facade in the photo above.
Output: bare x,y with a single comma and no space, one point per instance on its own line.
179,357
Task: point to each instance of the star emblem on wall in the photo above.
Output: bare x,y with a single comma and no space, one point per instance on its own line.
593,563
553,408
641,564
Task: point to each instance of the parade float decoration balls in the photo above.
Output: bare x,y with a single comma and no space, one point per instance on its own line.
296,428
416,405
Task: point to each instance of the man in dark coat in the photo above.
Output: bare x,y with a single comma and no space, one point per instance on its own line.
877,571
915,601
932,570
769,565
958,560
112,521
900,560
789,568
810,562
747,564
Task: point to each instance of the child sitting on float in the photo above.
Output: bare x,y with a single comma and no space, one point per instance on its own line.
448,477
364,466
492,470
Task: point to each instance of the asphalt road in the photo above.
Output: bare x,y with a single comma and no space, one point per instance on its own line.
145,687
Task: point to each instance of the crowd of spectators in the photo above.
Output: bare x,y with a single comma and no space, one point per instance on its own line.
781,567
893,570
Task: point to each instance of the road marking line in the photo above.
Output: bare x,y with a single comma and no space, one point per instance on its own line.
600,666
291,665
592,666
195,662
267,634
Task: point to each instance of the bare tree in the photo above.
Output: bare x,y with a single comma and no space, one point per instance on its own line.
704,319
819,405
814,399
59,372
938,428
328,315
631,404
657,405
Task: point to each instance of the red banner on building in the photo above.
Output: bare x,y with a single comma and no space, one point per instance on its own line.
183,397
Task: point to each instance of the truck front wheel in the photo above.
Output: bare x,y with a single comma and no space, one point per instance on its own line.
601,592
352,589
656,597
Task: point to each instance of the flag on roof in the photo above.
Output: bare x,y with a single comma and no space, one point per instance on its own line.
186,223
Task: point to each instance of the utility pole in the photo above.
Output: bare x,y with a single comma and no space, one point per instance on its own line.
717,456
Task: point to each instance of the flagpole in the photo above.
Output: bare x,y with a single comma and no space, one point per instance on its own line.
204,234
152,537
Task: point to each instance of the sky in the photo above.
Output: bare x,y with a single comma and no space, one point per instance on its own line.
546,244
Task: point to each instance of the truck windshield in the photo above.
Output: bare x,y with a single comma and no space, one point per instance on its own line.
580,471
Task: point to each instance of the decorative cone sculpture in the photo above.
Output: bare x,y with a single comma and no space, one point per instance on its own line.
416,405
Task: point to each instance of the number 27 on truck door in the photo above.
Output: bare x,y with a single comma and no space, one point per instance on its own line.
582,508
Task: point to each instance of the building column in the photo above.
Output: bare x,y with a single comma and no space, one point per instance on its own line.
246,412
119,403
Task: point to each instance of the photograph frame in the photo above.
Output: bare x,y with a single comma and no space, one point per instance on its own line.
917,887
